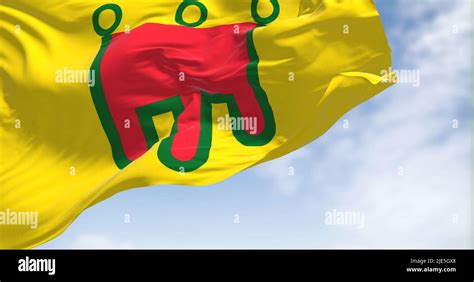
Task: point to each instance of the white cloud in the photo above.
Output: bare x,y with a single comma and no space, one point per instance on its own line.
411,134
286,172
403,164
95,241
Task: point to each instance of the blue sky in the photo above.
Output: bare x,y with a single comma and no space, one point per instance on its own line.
398,159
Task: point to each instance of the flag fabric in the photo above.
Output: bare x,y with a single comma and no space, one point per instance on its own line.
102,96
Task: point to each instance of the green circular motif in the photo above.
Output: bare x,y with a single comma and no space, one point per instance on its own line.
95,19
269,19
186,3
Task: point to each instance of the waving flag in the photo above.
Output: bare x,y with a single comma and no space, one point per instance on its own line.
102,96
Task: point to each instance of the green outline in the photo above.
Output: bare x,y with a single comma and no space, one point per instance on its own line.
97,91
204,144
252,76
146,113
269,19
179,13
174,104
103,110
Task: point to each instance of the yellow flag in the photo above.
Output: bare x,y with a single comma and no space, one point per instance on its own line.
101,96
